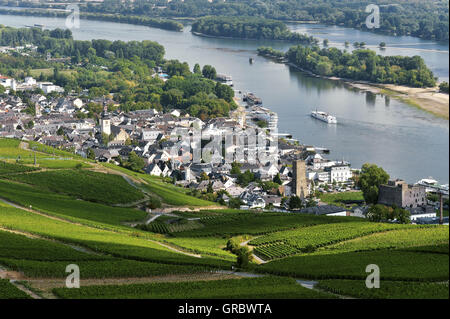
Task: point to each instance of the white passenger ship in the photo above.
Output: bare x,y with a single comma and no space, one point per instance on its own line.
324,117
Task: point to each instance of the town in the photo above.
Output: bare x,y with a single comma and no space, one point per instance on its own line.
163,144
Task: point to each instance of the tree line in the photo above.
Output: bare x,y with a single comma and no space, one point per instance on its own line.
361,65
424,19
122,71
248,28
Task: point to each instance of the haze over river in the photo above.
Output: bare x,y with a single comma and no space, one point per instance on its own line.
407,142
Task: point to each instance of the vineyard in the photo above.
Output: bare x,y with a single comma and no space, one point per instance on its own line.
8,168
70,215
255,224
246,288
9,291
311,238
394,265
387,290
87,185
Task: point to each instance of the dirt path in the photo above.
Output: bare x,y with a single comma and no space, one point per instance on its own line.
46,284
22,287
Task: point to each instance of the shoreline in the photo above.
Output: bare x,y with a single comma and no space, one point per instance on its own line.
428,99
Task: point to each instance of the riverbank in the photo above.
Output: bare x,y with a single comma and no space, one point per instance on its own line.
164,24
427,99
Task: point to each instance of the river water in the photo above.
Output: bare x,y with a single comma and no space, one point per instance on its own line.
407,142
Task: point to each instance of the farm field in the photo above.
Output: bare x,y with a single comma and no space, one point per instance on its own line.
387,290
122,245
393,264
311,238
87,185
246,288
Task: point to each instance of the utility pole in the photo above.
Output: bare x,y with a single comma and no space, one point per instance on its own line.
441,209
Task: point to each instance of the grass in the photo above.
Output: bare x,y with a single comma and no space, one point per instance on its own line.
67,207
246,288
8,168
9,291
387,290
169,194
87,185
341,199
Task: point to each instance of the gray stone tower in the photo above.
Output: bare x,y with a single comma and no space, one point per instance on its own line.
299,182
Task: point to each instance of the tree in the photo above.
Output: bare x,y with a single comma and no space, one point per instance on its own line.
209,72
443,87
90,154
244,256
135,163
235,203
295,203
235,168
325,42
277,179
60,131
245,178
382,45
2,89
197,69
370,178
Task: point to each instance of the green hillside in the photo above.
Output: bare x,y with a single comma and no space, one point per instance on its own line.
76,211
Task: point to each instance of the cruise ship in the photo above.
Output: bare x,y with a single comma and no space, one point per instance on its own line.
324,117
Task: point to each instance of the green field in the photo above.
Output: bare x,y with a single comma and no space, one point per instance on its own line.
246,288
84,217
394,265
8,168
86,185
48,259
387,290
341,199
297,240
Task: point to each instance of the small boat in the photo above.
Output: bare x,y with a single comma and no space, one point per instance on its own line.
225,79
251,60
252,99
325,117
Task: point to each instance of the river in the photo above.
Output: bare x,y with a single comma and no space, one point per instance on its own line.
407,142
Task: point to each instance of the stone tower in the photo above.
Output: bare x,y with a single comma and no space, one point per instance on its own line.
105,124
37,110
299,183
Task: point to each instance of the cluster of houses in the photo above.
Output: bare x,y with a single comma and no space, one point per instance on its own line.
160,140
